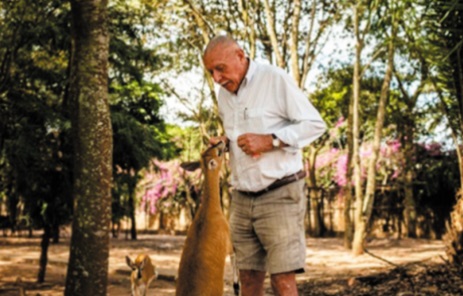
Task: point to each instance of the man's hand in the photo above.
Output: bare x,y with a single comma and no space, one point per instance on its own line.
255,144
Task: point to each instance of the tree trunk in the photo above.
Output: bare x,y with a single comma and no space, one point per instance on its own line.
249,24
87,272
356,125
459,92
348,223
55,232
44,253
367,205
269,13
453,237
131,185
347,215
133,222
409,212
315,215
13,201
407,137
295,42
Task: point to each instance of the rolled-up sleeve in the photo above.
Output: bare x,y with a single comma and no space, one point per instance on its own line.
304,124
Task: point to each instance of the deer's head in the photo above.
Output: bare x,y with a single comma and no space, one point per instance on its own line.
143,272
212,157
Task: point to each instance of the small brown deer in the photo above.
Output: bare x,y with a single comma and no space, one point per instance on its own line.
143,272
202,265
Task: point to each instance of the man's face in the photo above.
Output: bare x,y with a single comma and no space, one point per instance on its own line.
227,65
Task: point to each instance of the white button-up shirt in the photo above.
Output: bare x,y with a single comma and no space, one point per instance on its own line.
268,101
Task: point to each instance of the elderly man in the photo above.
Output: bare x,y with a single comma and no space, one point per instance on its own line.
267,121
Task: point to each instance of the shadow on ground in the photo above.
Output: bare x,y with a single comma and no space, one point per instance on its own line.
393,267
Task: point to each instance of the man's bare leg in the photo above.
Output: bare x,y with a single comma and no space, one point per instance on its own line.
252,282
284,284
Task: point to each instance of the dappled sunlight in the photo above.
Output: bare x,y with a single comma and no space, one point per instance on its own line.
327,257
326,260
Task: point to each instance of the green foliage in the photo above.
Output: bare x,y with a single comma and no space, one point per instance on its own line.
37,151
333,94
35,135
139,132
132,56
445,35
145,43
187,141
35,140
334,90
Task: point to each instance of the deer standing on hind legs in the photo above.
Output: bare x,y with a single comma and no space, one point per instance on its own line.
143,272
202,265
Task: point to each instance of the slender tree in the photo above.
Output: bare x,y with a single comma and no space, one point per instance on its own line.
407,137
364,213
88,262
354,129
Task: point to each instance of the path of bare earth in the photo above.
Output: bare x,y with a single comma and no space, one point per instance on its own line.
327,260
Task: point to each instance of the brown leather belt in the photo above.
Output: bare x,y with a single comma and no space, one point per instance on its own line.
277,184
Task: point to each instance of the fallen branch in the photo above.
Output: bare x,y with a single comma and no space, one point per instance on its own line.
401,269
381,258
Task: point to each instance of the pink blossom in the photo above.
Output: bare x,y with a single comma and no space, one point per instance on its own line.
326,158
340,122
434,149
341,170
163,182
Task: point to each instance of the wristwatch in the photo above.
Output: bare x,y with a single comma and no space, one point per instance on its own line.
276,142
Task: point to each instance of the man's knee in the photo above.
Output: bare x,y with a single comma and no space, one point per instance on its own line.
252,282
252,276
284,284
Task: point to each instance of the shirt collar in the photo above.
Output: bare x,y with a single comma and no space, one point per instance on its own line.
250,73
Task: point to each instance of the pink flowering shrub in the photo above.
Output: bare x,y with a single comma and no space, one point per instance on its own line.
164,185
434,149
331,165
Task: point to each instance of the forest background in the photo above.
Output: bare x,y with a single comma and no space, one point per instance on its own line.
94,76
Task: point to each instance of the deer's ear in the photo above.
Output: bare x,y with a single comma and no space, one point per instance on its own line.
142,264
190,166
129,261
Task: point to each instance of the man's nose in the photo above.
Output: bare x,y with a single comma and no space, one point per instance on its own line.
216,76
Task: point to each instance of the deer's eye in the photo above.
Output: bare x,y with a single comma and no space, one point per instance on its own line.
212,164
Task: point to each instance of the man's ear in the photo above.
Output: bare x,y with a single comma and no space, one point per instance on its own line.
240,53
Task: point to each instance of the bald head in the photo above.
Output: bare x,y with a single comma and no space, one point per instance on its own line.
226,62
222,42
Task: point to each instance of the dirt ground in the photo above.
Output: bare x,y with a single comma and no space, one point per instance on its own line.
330,269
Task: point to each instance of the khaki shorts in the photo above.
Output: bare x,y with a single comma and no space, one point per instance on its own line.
268,231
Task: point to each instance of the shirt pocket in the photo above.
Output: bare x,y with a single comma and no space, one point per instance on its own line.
228,122
254,121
